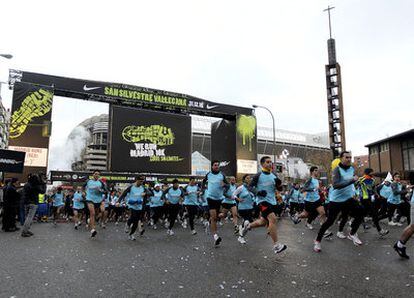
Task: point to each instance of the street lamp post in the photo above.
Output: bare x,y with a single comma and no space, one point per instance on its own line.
7,56
274,131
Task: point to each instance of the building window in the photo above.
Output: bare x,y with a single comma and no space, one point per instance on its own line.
373,150
384,147
408,154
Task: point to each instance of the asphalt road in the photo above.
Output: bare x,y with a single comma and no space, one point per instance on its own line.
62,262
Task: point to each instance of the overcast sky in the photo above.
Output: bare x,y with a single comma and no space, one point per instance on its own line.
239,52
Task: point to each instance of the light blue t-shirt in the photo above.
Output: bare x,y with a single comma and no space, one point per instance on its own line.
385,191
267,182
192,197
135,199
228,198
214,186
155,200
203,200
348,192
94,191
294,197
58,200
78,201
312,195
395,199
247,199
174,195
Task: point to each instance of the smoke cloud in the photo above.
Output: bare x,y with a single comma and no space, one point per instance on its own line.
61,157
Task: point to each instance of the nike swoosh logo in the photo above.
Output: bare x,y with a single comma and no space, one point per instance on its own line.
86,88
211,107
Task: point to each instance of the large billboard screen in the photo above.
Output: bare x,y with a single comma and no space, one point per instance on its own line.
223,146
31,111
149,142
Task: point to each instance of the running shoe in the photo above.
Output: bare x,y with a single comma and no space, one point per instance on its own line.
383,232
278,248
244,228
131,237
317,246
217,240
93,233
154,227
401,251
25,234
76,226
241,240
193,232
398,224
295,219
391,223
355,239
206,227
170,232
309,226
341,235
184,224
327,234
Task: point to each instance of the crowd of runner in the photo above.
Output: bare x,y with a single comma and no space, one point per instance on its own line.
258,201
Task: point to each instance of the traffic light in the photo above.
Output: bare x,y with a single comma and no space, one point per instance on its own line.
47,128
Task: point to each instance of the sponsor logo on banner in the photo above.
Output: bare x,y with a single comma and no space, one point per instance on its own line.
86,88
11,161
224,164
209,107
35,157
246,128
155,138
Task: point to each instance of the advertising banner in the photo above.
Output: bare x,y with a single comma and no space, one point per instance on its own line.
111,177
129,95
35,157
11,161
246,144
149,142
223,146
31,108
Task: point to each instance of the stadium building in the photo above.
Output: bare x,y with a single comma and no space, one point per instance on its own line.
294,151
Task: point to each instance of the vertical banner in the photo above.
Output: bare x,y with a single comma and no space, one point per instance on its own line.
149,142
223,145
31,109
246,144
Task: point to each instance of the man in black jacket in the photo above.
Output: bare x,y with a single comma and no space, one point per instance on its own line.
31,190
11,199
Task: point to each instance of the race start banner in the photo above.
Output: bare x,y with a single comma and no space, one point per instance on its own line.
149,142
